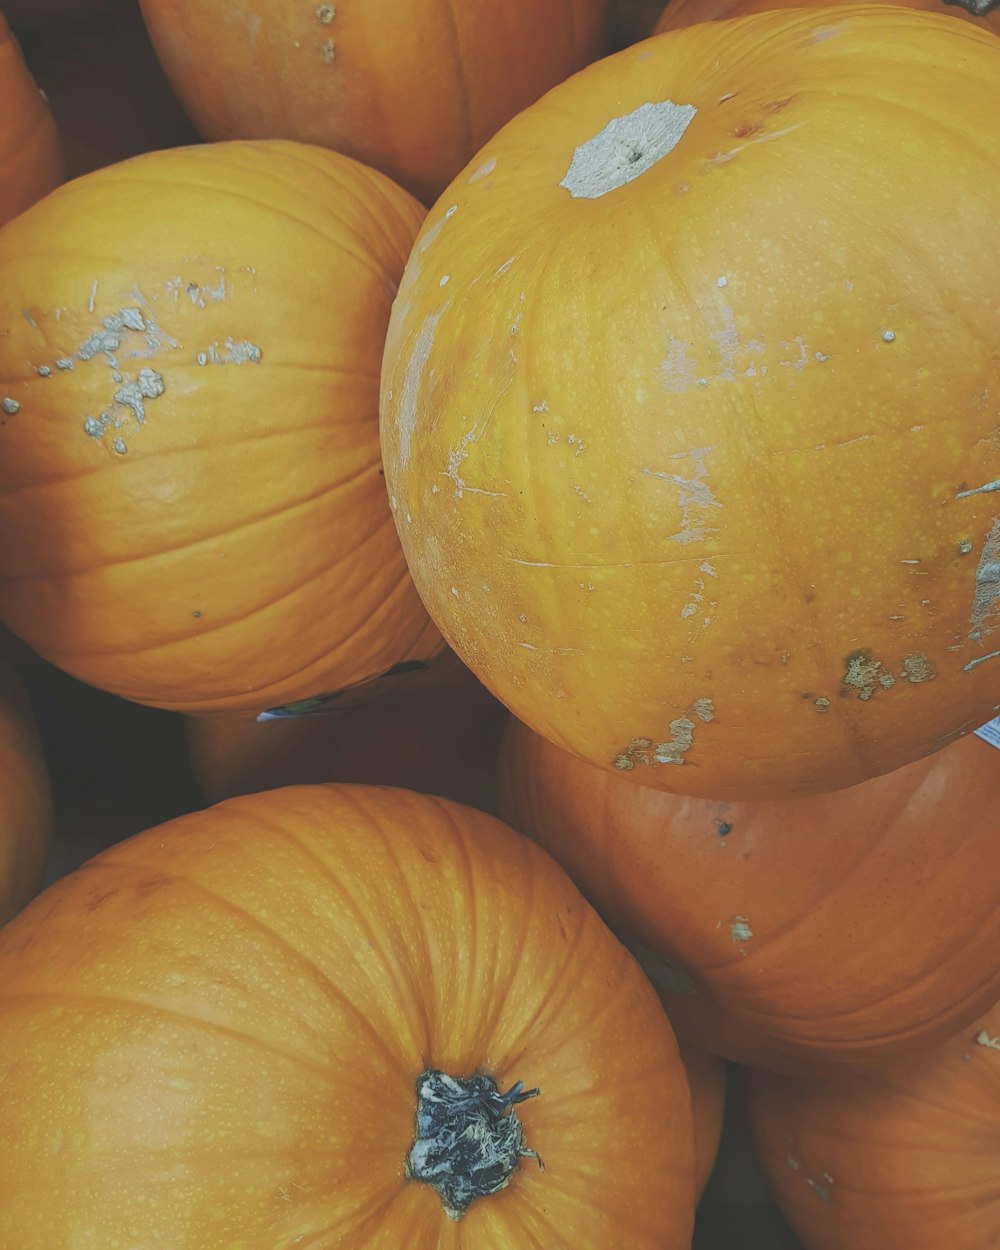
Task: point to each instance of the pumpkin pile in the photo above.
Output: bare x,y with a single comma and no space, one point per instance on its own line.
500,548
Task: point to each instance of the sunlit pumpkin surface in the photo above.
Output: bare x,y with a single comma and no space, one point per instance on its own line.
906,1160
799,934
689,408
192,509
210,1038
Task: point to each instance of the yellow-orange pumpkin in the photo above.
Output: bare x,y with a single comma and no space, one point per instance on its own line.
412,87
906,1159
212,1035
30,159
106,89
192,509
680,13
800,934
689,412
25,801
435,731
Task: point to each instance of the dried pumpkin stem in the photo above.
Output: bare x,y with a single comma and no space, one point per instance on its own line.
469,1138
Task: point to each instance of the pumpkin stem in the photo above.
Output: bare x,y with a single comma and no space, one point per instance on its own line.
978,8
469,1138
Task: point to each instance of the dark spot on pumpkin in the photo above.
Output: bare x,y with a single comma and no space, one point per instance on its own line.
809,596
745,130
98,900
776,106
725,828
430,856
149,885
196,614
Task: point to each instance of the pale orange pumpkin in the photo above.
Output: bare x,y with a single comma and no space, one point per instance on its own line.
192,509
680,13
106,89
25,799
905,1159
800,934
213,1035
691,447
412,87
30,159
436,731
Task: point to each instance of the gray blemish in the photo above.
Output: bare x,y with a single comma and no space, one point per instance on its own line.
412,378
194,295
26,314
988,489
147,385
821,1191
682,735
329,52
664,972
64,363
821,704
626,148
863,673
93,297
918,667
965,546
722,282
10,406
678,370
44,371
109,339
484,170
981,659
637,752
987,585
326,13
889,336
119,446
233,353
696,497
983,1038
739,929
436,229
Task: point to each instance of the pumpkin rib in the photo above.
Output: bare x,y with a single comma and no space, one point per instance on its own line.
316,974
135,1004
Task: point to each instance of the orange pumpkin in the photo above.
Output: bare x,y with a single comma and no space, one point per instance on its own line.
217,1034
25,801
30,159
801,934
106,89
412,87
44,12
707,1081
192,509
692,464
436,731
680,13
905,1159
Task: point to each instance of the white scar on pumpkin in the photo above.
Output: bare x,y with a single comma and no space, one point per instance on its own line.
626,148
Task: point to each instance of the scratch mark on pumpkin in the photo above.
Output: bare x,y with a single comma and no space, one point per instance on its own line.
981,659
988,489
457,457
406,420
92,302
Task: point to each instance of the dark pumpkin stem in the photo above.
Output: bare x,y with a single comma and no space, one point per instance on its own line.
978,8
469,1138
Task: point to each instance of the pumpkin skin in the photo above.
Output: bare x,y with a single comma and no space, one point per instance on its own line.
25,798
598,535
106,89
798,934
437,732
905,1159
211,534
218,1025
411,87
680,13
30,159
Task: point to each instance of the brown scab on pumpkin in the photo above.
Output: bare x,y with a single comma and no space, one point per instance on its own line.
863,673
673,751
917,668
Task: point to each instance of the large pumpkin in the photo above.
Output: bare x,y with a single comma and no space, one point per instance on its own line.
30,159
801,933
25,801
192,509
690,445
215,1035
413,87
906,1159
680,13
106,89
436,731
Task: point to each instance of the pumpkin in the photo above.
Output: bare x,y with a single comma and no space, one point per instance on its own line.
25,799
680,13
691,464
43,12
192,509
800,934
256,1025
706,1075
412,87
30,159
106,89
435,730
907,1158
